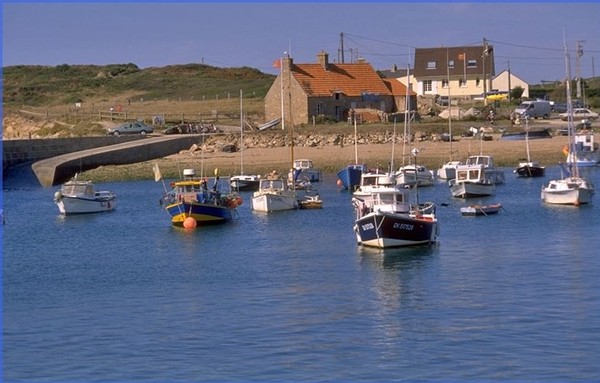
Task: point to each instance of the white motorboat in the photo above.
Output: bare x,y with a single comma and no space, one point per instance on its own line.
414,175
274,195
448,170
81,197
471,181
303,169
584,151
495,175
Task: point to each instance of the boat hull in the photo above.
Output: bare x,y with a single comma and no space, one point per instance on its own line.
245,183
385,230
448,170
274,202
79,205
472,189
530,171
410,176
350,176
568,191
475,210
204,214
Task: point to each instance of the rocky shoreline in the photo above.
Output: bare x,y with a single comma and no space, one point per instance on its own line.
329,152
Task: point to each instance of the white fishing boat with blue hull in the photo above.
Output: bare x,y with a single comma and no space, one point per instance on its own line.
387,219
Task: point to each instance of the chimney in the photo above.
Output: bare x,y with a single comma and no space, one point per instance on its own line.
361,60
323,59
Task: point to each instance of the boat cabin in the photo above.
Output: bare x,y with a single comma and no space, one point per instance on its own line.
272,184
303,164
79,188
473,173
487,161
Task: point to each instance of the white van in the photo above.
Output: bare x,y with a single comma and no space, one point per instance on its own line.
534,109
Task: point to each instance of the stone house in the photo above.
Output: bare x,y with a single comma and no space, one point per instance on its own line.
328,90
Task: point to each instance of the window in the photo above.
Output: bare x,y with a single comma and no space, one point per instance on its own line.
478,82
451,64
320,109
444,83
431,65
337,95
427,86
472,64
462,83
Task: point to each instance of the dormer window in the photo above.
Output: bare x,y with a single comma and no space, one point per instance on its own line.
451,64
472,64
337,95
431,65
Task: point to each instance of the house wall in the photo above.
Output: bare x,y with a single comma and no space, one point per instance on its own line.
471,89
500,83
294,107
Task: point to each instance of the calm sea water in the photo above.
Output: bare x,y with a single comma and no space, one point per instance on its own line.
289,296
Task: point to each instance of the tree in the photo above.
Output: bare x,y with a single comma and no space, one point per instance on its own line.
516,93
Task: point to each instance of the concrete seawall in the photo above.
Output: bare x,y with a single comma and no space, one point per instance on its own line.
58,169
15,152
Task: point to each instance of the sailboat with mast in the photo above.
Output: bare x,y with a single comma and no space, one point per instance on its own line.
349,177
448,170
572,189
274,192
243,182
529,168
411,174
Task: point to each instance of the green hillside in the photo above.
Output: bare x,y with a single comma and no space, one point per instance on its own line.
65,84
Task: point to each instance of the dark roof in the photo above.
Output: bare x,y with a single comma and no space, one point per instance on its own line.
461,57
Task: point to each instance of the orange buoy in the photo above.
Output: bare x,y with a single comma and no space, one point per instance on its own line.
339,182
239,200
189,223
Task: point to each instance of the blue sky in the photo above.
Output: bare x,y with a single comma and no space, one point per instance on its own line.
526,36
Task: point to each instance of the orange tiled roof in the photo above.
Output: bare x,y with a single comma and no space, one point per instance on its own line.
397,88
350,79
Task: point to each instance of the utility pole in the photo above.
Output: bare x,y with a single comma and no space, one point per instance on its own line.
341,58
484,77
579,54
509,87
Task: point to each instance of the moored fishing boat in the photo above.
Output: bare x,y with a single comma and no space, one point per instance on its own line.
387,219
80,197
192,198
274,195
471,181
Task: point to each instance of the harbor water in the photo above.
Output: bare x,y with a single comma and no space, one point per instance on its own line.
289,296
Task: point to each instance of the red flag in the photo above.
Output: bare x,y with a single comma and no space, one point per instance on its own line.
277,63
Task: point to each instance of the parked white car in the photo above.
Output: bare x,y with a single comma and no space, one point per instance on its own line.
580,114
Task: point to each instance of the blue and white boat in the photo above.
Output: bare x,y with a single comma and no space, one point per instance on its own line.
81,197
191,197
349,177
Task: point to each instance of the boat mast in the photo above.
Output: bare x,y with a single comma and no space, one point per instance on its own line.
241,132
527,138
570,127
449,102
356,140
